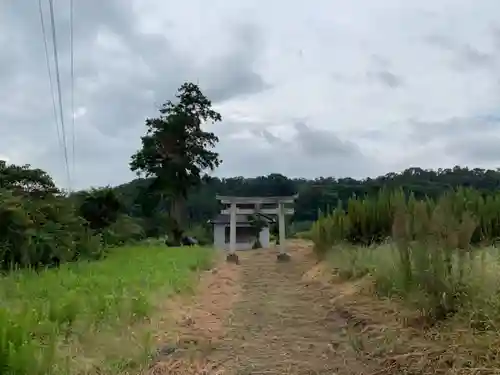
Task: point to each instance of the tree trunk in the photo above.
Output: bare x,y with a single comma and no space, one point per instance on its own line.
177,212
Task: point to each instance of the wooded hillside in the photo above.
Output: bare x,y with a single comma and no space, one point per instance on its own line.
321,194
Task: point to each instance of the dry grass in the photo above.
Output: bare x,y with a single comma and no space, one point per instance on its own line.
264,317
399,336
389,333
197,324
275,322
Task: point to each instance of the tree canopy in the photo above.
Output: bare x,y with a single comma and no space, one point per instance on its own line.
22,179
100,207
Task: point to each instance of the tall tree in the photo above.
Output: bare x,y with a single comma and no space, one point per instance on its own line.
176,151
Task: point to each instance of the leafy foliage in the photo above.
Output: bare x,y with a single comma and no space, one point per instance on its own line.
124,230
37,232
257,223
41,227
25,180
100,207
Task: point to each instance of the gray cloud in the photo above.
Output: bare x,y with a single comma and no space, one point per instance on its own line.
270,137
467,140
476,149
387,78
233,74
122,76
378,93
496,37
321,143
308,153
462,127
474,57
314,143
381,72
465,55
440,41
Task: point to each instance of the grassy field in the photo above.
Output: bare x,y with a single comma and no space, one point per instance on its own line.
449,311
470,280
90,317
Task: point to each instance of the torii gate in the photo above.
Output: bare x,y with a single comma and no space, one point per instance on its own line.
253,205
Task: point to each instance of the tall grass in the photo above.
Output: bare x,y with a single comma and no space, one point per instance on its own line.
471,293
427,259
51,320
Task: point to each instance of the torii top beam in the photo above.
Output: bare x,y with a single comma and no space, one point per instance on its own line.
256,200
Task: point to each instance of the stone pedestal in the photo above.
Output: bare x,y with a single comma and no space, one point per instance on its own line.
233,258
283,257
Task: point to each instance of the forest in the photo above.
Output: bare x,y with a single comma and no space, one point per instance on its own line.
319,195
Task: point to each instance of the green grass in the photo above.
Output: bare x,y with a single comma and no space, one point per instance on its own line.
80,318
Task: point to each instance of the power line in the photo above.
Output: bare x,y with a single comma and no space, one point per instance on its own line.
59,91
51,86
72,63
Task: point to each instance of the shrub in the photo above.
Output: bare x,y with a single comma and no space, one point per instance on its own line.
40,232
100,207
329,230
369,220
202,233
434,249
124,230
42,227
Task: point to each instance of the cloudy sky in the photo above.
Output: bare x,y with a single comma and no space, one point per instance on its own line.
322,88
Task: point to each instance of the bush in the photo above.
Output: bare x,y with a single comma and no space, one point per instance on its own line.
99,207
202,233
42,227
369,220
434,252
125,230
40,232
329,231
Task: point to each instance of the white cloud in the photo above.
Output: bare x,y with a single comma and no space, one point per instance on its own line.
377,86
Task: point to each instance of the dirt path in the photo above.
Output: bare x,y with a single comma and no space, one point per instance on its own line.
273,322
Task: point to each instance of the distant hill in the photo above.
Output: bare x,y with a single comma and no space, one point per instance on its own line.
321,193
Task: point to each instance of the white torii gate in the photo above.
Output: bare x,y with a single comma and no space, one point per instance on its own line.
262,205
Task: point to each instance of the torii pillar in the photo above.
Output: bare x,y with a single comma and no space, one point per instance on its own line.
283,255
232,234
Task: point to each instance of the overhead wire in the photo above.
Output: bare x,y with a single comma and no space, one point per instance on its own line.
59,91
49,71
72,63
